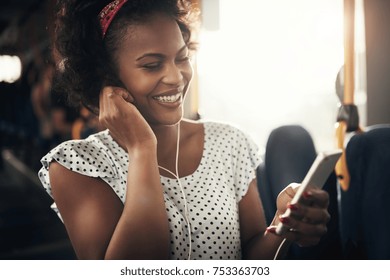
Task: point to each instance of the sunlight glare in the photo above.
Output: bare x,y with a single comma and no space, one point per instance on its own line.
269,62
10,68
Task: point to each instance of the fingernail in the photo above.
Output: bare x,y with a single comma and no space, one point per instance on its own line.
129,98
271,229
293,207
284,220
307,194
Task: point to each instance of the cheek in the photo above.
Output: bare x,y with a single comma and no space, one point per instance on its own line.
140,85
188,72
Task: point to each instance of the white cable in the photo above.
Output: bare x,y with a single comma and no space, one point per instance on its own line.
282,249
186,213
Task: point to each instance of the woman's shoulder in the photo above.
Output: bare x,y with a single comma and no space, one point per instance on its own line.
210,125
231,137
205,129
225,130
90,156
79,146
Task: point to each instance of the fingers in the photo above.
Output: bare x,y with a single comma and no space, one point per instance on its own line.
312,222
285,196
312,208
307,219
291,189
113,103
122,93
298,237
315,197
303,234
125,122
113,93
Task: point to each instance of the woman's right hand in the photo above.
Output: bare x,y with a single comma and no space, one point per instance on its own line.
125,123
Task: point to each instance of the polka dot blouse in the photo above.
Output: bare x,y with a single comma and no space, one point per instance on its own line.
212,192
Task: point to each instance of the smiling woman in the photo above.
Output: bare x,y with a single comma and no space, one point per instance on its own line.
154,185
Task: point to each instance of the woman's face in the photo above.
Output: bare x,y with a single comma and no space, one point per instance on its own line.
155,68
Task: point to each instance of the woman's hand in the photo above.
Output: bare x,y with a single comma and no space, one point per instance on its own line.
308,218
126,124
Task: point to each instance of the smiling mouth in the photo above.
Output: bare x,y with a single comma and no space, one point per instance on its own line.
168,98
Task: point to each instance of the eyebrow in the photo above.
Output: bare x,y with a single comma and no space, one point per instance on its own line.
159,55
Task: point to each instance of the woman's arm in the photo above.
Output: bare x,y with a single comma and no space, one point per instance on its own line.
100,226
256,242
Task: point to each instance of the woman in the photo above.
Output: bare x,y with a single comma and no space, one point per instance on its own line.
154,185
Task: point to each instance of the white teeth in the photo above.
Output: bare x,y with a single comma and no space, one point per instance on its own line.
168,99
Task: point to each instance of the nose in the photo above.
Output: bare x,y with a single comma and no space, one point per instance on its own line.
173,74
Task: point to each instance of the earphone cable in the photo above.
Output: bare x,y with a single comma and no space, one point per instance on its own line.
186,212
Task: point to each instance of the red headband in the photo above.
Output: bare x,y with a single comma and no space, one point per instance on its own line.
108,13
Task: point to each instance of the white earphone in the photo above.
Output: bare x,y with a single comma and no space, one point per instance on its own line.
176,175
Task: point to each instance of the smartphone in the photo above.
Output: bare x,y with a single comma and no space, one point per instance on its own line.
316,177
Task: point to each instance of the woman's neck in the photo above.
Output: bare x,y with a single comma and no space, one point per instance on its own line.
167,137
191,147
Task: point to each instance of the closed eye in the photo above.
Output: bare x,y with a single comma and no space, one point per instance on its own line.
183,59
152,66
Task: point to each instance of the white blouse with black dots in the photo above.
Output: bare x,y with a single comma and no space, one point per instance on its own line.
213,191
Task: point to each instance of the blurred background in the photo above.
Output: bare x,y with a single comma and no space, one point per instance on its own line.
261,64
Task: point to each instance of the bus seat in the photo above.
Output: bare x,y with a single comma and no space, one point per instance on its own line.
364,207
289,153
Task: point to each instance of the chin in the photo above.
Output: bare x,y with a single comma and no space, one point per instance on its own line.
167,120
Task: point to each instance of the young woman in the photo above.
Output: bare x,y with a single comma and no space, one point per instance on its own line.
154,185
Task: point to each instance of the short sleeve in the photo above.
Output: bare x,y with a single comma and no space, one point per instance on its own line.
84,157
246,160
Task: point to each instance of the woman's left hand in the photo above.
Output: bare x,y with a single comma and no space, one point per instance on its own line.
308,219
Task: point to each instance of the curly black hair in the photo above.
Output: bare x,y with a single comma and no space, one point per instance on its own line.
87,62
